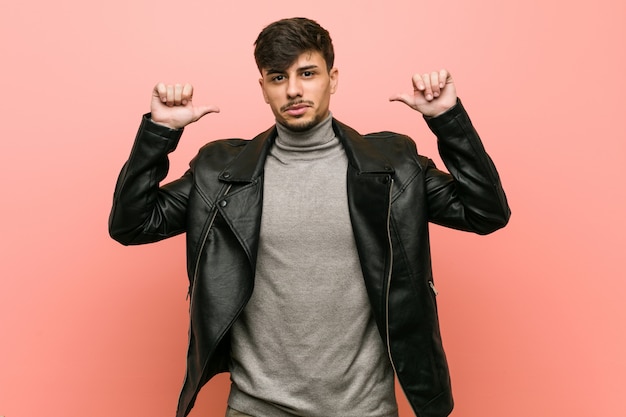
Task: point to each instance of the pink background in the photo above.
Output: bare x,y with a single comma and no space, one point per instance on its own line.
533,316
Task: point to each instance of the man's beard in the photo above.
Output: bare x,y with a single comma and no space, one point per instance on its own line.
303,126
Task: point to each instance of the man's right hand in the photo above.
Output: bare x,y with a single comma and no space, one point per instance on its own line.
172,106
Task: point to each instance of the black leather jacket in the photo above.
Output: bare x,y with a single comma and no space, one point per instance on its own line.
392,192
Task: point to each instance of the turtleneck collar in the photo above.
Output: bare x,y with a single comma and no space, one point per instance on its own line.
319,135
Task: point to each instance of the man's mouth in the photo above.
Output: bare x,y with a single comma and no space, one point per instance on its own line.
297,108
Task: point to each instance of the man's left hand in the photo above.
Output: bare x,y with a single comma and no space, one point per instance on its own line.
433,93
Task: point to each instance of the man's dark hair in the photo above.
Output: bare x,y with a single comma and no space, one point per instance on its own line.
281,42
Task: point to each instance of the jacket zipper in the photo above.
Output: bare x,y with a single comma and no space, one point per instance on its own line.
432,287
389,281
195,274
430,283
393,365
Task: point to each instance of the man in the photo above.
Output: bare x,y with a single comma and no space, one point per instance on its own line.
308,254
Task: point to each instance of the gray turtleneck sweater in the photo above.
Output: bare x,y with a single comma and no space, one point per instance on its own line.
306,344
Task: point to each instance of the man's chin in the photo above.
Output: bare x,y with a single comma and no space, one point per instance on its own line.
299,125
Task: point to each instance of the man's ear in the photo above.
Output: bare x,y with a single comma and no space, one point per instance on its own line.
261,83
334,79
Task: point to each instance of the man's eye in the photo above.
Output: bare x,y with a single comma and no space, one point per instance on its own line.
278,78
307,73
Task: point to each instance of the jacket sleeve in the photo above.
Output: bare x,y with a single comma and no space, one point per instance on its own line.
471,197
143,211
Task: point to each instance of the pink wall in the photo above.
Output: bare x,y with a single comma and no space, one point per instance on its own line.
533,316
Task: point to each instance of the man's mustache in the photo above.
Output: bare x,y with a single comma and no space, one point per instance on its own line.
296,103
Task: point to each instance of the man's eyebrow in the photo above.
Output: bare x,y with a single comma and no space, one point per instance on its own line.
272,71
308,67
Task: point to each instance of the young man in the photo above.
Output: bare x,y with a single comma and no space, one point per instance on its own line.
308,250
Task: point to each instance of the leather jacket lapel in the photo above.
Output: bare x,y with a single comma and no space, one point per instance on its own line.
241,207
370,179
248,165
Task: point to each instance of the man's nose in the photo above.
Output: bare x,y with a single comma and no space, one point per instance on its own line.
294,87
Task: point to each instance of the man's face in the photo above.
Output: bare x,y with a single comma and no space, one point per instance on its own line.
300,95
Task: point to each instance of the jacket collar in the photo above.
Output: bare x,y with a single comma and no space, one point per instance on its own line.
249,164
362,155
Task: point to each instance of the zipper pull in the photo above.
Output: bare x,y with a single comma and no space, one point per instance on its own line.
432,287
